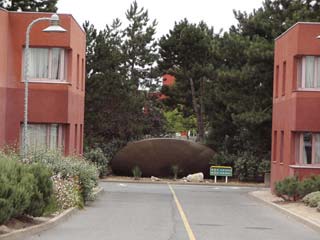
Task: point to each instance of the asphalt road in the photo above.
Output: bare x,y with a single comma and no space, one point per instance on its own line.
154,212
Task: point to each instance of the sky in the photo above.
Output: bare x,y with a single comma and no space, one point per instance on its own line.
216,13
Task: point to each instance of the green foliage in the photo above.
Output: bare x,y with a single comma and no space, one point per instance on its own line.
96,156
223,159
312,199
136,172
186,53
76,167
30,5
309,185
177,122
287,188
119,61
24,189
43,191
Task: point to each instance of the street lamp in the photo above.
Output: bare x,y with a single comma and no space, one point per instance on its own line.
54,27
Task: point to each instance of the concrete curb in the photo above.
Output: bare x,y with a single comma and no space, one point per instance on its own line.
289,213
26,232
183,183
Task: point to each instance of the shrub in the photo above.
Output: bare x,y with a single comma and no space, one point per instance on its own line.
312,199
136,171
96,156
16,188
42,192
287,188
309,185
175,170
66,192
76,167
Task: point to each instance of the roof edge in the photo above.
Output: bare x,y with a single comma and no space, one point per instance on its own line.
294,25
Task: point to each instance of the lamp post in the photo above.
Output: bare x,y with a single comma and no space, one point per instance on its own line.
54,27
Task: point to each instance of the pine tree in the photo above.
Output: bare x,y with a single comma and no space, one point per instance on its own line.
30,5
186,53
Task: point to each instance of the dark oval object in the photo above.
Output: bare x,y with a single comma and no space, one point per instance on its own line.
156,156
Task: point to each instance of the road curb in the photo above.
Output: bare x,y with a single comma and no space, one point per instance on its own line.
289,213
182,183
26,232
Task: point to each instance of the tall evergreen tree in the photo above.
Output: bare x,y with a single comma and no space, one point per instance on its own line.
30,5
186,53
139,47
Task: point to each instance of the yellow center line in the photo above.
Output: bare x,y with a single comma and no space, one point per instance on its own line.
183,215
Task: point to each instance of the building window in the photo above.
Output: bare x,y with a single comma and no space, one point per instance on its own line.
75,138
49,136
308,74
308,148
282,147
47,64
82,74
277,81
275,146
78,69
284,72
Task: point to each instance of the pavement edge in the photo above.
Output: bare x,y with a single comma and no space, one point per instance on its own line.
22,233
287,212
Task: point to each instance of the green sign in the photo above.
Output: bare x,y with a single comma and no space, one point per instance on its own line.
221,171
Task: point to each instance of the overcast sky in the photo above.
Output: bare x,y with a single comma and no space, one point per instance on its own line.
216,13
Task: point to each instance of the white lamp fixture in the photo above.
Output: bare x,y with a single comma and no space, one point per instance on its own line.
54,27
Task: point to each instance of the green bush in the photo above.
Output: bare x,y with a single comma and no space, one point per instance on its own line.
96,156
312,199
287,188
43,191
136,172
309,185
17,185
73,166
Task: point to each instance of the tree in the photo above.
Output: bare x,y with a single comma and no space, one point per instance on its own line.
239,101
30,5
186,53
118,59
139,47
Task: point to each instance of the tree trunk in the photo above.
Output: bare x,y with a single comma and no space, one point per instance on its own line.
200,135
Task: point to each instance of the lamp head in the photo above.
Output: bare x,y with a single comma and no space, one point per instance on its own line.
54,25
318,37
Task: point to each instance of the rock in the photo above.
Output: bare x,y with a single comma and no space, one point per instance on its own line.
155,178
4,229
197,177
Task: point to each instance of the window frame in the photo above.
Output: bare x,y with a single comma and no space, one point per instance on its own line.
301,68
60,141
62,71
299,149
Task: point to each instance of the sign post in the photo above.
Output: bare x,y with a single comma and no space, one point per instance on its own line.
220,171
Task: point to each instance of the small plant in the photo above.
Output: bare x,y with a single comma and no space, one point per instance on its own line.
136,172
96,156
309,185
287,188
312,199
66,193
175,170
42,192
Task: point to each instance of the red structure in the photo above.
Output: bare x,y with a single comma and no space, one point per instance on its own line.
296,103
56,85
167,80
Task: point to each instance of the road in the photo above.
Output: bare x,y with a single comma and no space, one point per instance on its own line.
184,212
